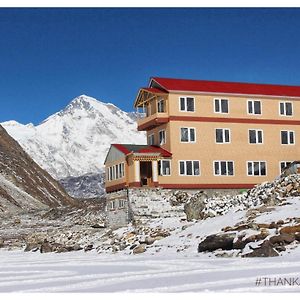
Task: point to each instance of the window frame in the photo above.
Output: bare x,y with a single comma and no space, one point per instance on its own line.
284,114
220,168
220,106
256,136
123,203
283,161
158,105
185,168
185,104
253,107
189,135
223,135
256,161
288,137
152,135
161,167
165,137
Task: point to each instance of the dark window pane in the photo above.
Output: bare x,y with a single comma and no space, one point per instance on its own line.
230,168
224,106
250,168
289,109
223,168
181,168
189,167
182,103
256,168
192,134
291,137
252,137
190,104
196,167
226,135
257,108
166,167
184,135
219,135
217,168
250,110
284,137
282,108
217,105
263,168
259,136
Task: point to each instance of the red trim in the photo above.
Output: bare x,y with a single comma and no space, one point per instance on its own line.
171,84
234,120
208,186
135,184
121,148
154,90
155,183
115,187
152,123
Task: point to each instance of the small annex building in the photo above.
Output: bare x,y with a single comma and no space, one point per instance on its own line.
135,166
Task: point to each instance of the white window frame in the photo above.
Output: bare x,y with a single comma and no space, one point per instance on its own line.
189,135
121,203
223,135
185,104
112,205
185,168
253,107
165,137
288,136
256,136
151,137
158,105
227,169
220,105
161,167
284,108
255,161
283,162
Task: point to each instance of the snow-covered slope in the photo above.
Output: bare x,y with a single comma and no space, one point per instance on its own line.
75,140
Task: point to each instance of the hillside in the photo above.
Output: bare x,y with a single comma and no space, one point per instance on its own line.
24,185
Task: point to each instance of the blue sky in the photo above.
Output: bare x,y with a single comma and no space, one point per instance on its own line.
49,56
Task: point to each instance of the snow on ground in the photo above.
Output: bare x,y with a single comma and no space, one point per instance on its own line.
91,272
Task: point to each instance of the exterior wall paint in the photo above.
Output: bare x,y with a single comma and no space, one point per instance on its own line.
119,181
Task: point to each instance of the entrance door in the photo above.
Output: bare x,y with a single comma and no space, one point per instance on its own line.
146,173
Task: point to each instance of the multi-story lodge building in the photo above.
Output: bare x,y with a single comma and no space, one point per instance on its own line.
208,135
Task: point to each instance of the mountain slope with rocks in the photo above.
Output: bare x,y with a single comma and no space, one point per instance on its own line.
75,140
24,185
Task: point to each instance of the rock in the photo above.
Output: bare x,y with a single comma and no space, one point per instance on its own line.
195,206
280,248
98,225
88,247
265,250
149,240
178,198
139,249
214,242
31,247
46,247
273,225
282,238
290,229
280,222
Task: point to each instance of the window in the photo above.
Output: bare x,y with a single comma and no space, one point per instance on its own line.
187,104
162,137
284,164
110,173
254,107
256,168
151,139
221,106
164,167
112,205
255,136
121,203
222,135
187,135
287,137
189,167
223,168
122,165
286,108
161,105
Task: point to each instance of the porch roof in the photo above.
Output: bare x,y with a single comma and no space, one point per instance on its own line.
142,149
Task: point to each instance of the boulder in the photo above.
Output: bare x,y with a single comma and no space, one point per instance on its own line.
88,247
178,198
195,206
290,229
46,247
139,249
282,239
31,247
265,250
214,242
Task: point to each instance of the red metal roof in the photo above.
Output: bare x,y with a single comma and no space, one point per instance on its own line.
129,148
171,84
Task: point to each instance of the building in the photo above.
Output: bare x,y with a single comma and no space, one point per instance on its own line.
208,135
